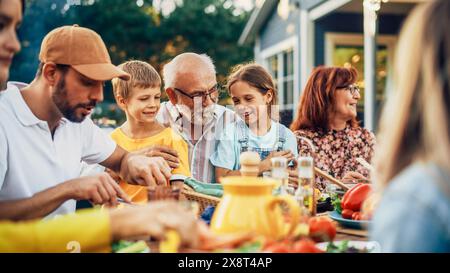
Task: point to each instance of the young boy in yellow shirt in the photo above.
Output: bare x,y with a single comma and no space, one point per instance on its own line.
139,98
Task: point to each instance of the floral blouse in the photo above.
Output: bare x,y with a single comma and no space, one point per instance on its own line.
337,151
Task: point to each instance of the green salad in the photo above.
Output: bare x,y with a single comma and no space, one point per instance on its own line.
130,247
336,202
343,247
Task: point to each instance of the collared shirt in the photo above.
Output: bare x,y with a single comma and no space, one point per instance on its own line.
202,149
32,161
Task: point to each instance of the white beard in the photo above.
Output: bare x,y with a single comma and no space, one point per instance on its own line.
200,116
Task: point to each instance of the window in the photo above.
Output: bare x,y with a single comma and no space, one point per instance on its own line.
282,62
347,50
288,78
281,67
354,56
272,66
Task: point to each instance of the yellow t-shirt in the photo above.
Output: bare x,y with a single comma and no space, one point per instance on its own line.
85,231
167,137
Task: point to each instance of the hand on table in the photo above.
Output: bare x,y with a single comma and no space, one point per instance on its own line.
155,219
98,189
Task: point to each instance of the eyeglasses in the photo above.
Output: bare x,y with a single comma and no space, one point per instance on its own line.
352,88
212,93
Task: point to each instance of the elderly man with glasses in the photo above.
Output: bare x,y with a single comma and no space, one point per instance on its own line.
193,112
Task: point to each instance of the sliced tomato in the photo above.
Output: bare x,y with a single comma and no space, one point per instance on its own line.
322,229
305,246
356,216
347,213
278,248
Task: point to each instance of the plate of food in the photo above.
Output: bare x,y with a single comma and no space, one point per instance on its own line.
324,204
350,247
356,224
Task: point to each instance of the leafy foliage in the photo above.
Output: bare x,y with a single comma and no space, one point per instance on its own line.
139,32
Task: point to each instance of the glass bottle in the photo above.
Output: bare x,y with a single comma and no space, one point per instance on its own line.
305,192
280,172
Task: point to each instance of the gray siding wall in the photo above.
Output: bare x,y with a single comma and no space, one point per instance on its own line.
276,28
309,4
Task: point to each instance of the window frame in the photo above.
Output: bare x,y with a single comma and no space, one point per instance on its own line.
333,39
278,50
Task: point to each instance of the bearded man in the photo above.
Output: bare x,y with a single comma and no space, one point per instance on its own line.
45,135
193,112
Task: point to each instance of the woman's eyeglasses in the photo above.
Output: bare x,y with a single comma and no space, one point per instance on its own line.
212,93
352,88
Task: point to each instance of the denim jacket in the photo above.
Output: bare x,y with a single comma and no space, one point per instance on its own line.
414,212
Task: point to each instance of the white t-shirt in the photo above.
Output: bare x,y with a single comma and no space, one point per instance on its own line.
31,161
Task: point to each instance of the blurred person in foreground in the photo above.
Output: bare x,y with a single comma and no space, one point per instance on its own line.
413,159
95,230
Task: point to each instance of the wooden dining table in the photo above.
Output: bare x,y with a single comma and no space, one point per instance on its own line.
350,234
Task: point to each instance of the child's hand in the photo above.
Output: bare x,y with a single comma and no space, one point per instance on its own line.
286,153
169,155
266,164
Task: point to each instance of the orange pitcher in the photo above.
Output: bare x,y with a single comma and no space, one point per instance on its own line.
248,205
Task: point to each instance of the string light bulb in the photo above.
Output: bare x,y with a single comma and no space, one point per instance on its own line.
374,5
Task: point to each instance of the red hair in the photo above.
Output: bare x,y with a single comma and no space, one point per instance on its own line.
317,99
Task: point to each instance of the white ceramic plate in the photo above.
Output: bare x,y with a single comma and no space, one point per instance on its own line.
372,246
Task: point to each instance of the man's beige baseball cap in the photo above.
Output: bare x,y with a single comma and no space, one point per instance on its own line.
82,49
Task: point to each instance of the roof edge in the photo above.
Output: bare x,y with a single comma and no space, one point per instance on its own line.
257,19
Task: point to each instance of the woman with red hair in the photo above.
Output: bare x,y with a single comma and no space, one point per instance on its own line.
327,117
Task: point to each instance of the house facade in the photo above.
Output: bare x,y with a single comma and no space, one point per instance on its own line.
294,36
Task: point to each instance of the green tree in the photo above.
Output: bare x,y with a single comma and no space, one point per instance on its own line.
41,16
207,26
133,31
130,31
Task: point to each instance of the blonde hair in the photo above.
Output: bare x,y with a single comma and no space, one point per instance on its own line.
143,75
415,124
